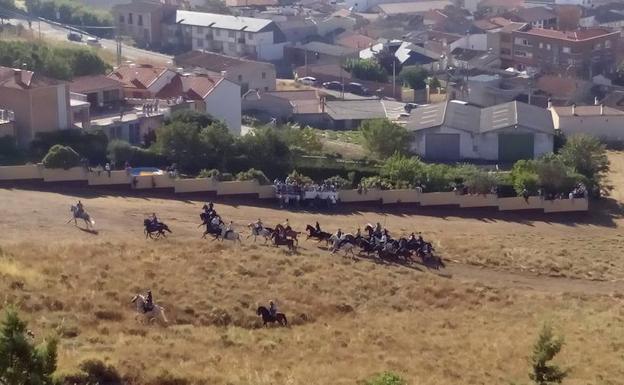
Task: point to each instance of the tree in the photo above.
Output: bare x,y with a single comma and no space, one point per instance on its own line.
544,351
61,157
403,170
304,139
198,119
588,157
414,77
22,363
265,148
91,144
434,83
366,69
384,138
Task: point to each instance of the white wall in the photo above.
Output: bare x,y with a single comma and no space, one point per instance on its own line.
271,51
477,42
466,142
161,82
62,106
224,103
604,127
543,144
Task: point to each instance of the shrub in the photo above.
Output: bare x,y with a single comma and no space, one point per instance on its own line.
588,157
438,177
366,69
253,174
61,157
384,138
91,144
414,77
212,173
376,182
299,178
544,351
386,378
339,182
403,170
120,152
94,372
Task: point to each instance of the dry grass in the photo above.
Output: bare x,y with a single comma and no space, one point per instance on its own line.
349,319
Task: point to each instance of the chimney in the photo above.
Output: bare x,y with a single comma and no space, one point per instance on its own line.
574,109
549,103
595,100
601,109
17,74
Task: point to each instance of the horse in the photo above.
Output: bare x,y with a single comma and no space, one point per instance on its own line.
231,235
320,235
288,232
428,258
279,241
82,215
280,318
158,228
262,232
344,244
157,312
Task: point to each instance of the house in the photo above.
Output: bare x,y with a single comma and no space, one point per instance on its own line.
251,3
406,54
249,74
469,59
7,123
217,95
349,114
101,91
39,103
589,51
600,121
454,131
143,21
354,40
130,126
537,17
390,9
300,106
316,52
609,16
231,35
298,30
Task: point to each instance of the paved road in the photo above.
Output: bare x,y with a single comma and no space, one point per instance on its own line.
59,33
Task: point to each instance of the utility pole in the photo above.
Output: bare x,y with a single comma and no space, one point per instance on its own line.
342,75
393,77
118,46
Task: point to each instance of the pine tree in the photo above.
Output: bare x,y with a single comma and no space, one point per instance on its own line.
544,351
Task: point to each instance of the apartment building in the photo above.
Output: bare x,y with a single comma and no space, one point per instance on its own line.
230,35
7,125
39,104
143,21
585,52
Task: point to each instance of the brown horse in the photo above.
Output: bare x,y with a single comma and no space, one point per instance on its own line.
279,241
280,318
288,232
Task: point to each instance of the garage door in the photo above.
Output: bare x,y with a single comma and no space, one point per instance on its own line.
513,147
443,147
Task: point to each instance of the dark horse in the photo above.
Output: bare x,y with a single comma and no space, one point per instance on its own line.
158,228
320,235
278,241
280,318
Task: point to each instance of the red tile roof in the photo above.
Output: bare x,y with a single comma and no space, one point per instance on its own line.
354,40
194,87
578,35
85,84
137,76
22,79
251,3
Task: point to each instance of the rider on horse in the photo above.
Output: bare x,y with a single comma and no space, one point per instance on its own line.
149,302
287,225
154,220
318,227
228,229
80,208
272,309
258,225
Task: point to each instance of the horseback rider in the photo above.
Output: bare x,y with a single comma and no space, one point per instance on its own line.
149,302
318,227
215,222
384,237
258,225
272,309
339,234
287,225
80,208
154,220
228,229
358,233
378,228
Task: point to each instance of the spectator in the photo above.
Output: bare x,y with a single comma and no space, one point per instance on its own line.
107,167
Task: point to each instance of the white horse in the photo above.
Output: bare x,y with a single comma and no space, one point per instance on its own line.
82,215
156,314
346,246
259,232
231,235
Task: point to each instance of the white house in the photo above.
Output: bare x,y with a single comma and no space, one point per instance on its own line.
454,130
600,121
232,35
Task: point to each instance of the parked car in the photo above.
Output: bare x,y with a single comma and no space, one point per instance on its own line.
74,36
336,86
94,42
357,88
307,80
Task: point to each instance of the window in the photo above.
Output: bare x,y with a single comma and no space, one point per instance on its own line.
240,78
597,47
217,32
199,43
541,45
140,20
566,50
523,53
244,88
548,47
266,88
232,47
264,75
200,30
521,41
607,43
249,36
231,34
505,51
122,19
129,18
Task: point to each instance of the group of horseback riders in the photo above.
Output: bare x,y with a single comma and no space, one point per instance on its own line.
213,222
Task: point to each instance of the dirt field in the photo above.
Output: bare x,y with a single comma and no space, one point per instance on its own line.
472,323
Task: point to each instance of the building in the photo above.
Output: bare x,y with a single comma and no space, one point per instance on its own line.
469,59
300,106
354,40
454,131
102,92
249,74
7,123
588,51
600,121
231,35
143,21
217,95
349,114
536,17
412,7
316,52
39,103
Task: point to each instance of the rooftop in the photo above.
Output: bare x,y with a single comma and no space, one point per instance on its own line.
578,35
328,49
137,76
413,7
86,84
534,14
587,111
23,79
213,61
363,109
193,87
141,6
251,3
473,119
354,40
213,20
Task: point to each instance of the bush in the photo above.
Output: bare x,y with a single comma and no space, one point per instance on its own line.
386,378
299,178
61,157
94,372
91,144
212,173
403,170
376,182
303,139
414,77
253,174
438,177
588,157
120,152
366,69
339,182
70,12
384,138
544,351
